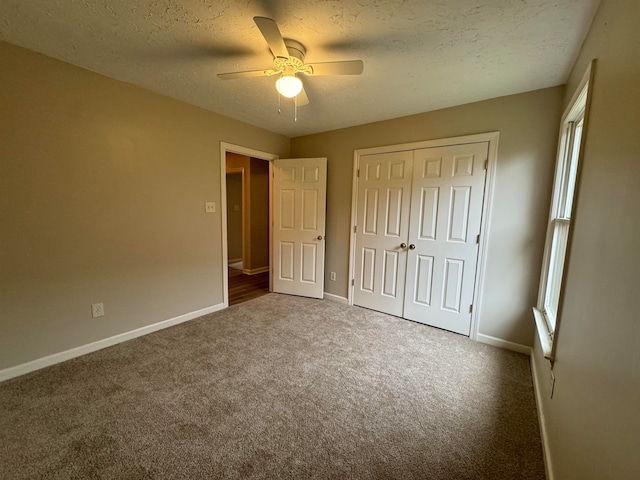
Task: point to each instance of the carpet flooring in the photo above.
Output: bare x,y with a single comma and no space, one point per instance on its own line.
277,387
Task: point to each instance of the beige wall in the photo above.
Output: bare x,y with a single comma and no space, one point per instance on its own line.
234,217
255,212
259,213
593,420
102,193
528,126
241,163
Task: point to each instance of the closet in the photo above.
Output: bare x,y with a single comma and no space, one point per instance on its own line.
418,221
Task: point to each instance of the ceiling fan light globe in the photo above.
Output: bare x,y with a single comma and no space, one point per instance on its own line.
289,86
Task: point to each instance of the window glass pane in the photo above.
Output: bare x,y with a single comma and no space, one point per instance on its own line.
556,267
573,169
564,171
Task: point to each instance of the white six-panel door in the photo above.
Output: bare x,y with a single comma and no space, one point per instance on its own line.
384,190
299,206
446,213
418,217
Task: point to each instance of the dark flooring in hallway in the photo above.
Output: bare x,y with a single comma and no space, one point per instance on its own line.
244,287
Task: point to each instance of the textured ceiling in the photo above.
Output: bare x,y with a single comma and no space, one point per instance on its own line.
419,55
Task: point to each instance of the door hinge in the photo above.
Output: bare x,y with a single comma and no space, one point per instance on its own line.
470,308
358,173
355,229
486,164
353,282
478,239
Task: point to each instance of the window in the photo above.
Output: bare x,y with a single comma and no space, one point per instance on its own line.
560,220
546,312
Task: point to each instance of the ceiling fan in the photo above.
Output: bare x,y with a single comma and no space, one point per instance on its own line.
288,60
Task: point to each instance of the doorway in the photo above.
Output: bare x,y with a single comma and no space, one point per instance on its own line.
245,205
300,201
247,180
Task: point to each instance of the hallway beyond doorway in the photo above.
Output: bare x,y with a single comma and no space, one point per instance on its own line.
243,287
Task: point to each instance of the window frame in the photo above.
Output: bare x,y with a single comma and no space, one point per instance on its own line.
547,313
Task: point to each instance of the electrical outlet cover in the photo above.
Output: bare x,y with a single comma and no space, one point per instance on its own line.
97,310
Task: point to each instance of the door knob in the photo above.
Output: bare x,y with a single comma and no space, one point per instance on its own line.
412,247
319,237
403,245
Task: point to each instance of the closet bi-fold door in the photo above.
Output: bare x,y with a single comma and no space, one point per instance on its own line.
384,189
446,213
418,220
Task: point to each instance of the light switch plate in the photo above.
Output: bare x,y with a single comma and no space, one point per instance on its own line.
210,207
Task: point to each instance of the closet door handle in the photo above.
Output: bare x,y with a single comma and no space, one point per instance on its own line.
403,245
412,247
319,237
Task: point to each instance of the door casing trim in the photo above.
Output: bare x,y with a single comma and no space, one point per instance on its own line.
487,206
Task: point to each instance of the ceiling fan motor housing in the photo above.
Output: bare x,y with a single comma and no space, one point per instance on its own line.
296,49
295,59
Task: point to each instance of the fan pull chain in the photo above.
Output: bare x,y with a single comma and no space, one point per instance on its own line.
295,108
279,97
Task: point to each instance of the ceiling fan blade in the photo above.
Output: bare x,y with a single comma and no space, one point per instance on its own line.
271,33
302,98
349,67
247,74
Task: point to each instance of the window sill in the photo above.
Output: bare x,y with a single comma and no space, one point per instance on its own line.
543,334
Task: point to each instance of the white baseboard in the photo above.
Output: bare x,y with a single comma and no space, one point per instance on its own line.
335,298
546,453
59,357
507,345
254,271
